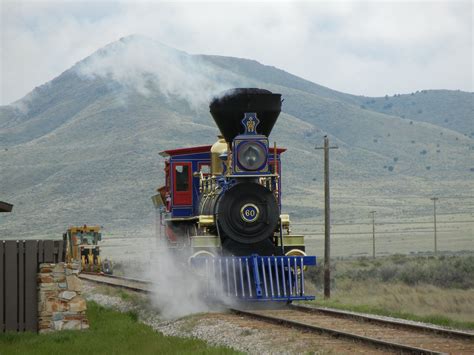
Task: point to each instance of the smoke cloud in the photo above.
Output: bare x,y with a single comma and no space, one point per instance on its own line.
178,288
143,65
176,291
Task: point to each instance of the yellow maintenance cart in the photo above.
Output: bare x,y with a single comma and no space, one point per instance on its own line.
83,245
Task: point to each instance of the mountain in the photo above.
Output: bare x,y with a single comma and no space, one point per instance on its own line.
83,148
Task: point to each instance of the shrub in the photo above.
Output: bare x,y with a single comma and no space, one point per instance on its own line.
447,272
388,272
316,274
411,274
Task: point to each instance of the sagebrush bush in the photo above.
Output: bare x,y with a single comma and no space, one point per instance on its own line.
388,272
447,272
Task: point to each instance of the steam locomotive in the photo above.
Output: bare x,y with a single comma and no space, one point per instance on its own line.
223,202
226,198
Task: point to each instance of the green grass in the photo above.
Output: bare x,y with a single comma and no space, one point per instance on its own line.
433,319
110,332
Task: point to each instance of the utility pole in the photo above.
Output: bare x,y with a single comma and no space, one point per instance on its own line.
434,199
327,220
373,233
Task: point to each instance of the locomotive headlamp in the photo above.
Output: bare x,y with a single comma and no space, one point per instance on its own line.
252,156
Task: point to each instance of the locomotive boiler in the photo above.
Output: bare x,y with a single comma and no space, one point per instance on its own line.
226,198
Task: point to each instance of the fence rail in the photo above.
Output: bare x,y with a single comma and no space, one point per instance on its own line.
19,262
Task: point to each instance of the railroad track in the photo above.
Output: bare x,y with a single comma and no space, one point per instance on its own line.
118,281
390,335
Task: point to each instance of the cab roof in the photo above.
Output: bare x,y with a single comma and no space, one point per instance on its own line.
201,149
190,150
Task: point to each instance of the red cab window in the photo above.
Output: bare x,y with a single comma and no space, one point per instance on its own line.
182,189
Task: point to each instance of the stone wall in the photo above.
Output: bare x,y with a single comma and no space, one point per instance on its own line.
60,304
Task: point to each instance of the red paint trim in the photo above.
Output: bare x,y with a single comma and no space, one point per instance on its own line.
183,198
190,150
170,234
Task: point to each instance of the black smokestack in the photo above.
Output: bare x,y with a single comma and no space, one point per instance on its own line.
228,110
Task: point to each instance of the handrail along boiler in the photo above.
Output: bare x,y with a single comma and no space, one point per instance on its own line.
223,202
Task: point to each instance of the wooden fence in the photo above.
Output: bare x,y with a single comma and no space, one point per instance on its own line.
19,262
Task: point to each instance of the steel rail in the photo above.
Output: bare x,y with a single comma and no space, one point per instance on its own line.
116,277
336,333
393,322
111,280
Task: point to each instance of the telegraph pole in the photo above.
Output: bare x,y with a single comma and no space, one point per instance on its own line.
327,220
373,233
434,199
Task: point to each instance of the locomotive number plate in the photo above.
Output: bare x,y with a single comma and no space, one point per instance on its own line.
249,212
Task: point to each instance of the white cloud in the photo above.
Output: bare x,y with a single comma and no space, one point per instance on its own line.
368,48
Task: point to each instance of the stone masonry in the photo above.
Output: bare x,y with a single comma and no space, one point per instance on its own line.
60,304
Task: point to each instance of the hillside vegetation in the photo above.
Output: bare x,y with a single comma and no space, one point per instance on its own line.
83,148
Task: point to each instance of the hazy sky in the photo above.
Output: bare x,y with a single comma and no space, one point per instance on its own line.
367,48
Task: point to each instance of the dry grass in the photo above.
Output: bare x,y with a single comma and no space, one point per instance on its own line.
436,290
425,301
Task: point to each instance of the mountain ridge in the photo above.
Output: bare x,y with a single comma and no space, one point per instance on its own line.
84,147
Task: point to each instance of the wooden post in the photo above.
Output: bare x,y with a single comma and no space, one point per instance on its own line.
327,223
327,220
434,199
373,234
